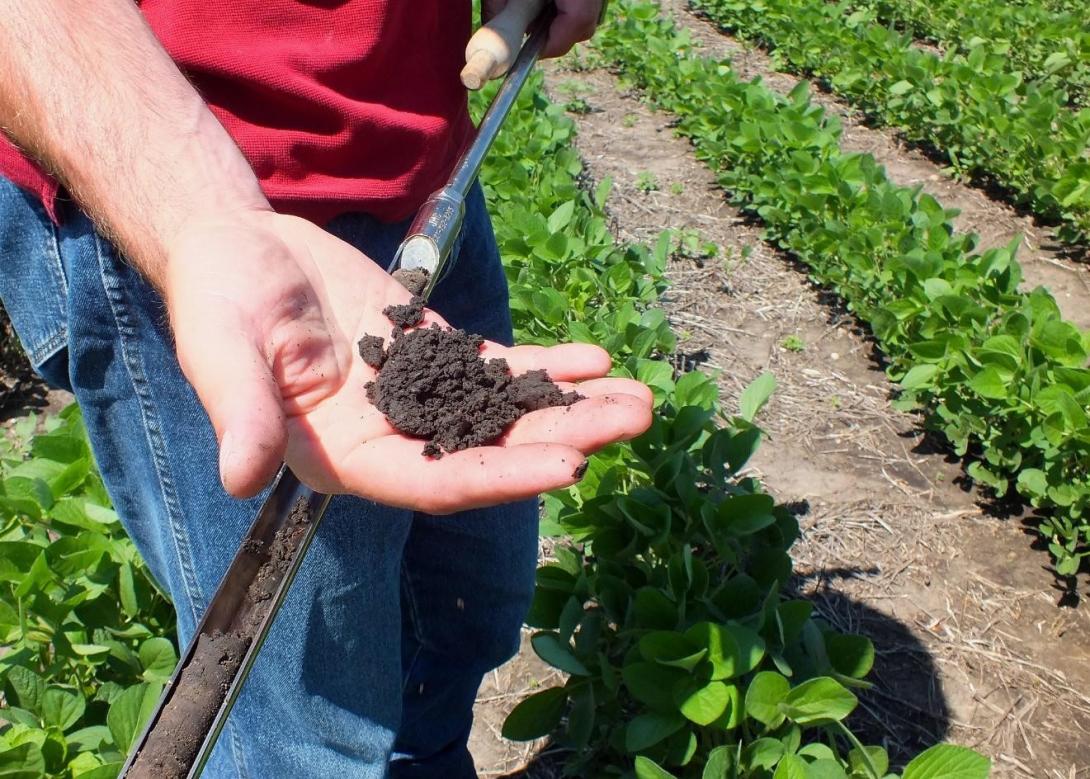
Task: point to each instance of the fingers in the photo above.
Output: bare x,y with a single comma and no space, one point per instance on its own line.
587,425
610,386
566,362
392,470
237,389
575,21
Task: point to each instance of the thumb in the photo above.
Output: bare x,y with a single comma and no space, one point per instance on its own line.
233,380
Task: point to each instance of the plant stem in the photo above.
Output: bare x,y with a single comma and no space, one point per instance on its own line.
872,769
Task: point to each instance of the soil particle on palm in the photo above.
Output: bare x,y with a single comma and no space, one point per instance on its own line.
372,351
412,280
434,385
173,744
406,315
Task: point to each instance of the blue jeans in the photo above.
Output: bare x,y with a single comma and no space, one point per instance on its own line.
373,664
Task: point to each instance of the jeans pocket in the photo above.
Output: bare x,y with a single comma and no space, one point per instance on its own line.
33,286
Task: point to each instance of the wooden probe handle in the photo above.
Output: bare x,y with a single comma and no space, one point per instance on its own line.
493,48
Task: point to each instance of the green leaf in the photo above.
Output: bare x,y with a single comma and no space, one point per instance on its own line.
850,654
878,757
790,767
1033,482
90,739
537,716
561,217
743,515
29,688
62,708
703,704
649,769
652,684
22,762
766,692
948,762
157,658
130,711
93,769
818,700
581,716
751,648
558,654
720,762
989,384
919,376
825,769
127,590
654,609
756,395
648,729
764,752
670,648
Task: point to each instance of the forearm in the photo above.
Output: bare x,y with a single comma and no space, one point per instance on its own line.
86,89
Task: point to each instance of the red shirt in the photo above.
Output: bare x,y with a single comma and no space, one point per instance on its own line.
339,106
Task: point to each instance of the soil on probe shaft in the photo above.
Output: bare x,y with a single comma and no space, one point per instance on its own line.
433,384
173,745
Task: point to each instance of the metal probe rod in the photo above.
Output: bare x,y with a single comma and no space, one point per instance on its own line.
430,238
469,166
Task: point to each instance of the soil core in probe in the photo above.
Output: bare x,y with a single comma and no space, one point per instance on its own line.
172,746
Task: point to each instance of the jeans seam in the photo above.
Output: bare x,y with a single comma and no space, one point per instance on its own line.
414,615
238,751
152,427
57,341
43,351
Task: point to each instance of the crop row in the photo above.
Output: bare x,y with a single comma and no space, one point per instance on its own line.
665,600
998,371
1048,46
982,115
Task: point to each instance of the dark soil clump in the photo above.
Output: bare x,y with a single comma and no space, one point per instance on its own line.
435,385
412,280
372,351
173,745
407,315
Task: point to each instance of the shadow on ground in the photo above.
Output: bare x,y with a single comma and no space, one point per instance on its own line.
906,711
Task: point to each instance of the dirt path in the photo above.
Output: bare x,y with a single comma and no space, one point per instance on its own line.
972,646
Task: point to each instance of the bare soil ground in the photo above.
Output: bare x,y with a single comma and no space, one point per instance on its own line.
978,642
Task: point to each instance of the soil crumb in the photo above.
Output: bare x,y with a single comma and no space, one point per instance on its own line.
435,385
372,351
172,746
412,280
406,315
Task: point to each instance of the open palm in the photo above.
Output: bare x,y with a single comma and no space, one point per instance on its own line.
267,313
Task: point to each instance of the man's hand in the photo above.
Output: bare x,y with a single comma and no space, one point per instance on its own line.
576,21
268,340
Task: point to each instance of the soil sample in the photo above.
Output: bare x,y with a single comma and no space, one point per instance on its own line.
172,746
433,384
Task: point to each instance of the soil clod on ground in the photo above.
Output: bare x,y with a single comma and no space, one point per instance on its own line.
172,746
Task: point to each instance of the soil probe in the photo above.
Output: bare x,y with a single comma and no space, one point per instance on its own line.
194,706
